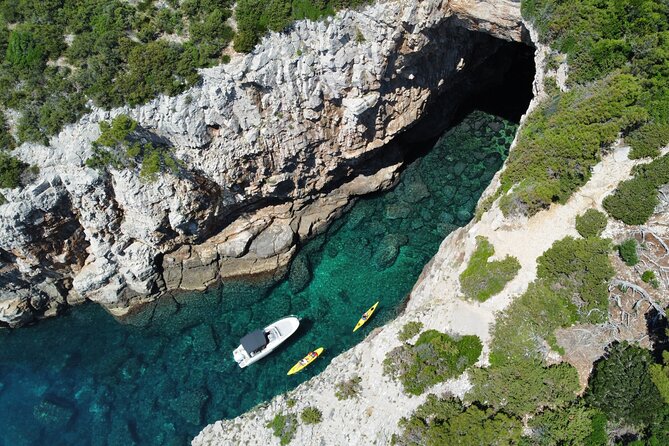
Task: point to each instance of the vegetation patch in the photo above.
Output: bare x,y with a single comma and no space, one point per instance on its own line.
410,330
649,277
647,140
621,386
348,389
483,279
572,286
257,17
634,200
311,415
283,427
616,53
627,251
561,141
120,147
115,53
447,422
591,224
576,424
434,358
11,169
520,386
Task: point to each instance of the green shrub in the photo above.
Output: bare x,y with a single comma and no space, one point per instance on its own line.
574,425
622,388
524,386
634,201
348,389
582,267
571,286
628,252
434,358
561,141
10,170
290,402
482,279
410,330
446,422
659,374
591,224
647,140
118,147
311,415
650,278
532,318
284,427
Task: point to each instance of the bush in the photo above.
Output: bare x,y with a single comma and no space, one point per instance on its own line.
571,286
634,201
410,330
650,278
561,141
434,358
582,267
575,425
591,224
627,251
10,170
348,389
523,386
118,147
647,140
482,279
311,415
621,386
284,427
447,422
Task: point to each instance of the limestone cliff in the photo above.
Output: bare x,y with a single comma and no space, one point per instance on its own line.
275,144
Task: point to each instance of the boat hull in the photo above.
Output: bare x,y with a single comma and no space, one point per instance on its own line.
277,332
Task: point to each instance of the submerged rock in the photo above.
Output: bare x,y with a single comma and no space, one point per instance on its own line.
300,273
50,412
389,249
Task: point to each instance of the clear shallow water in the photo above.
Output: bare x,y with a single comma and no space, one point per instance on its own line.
85,379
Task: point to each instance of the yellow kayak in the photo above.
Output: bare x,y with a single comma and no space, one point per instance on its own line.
365,316
302,363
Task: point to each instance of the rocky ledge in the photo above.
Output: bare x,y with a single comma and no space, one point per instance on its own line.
274,145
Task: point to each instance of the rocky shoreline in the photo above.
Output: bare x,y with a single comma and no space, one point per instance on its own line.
275,145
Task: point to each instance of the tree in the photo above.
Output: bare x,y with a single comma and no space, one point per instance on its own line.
10,170
23,52
522,387
573,425
621,387
581,266
659,373
440,422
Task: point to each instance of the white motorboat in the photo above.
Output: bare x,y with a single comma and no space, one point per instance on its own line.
260,343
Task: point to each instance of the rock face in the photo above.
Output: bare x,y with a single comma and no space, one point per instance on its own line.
275,145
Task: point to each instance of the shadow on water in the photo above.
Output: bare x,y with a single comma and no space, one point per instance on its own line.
85,379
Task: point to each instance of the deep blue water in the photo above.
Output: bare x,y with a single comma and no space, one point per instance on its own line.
86,379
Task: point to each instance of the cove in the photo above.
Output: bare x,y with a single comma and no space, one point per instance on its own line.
85,379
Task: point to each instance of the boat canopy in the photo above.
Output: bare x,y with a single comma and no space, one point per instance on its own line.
254,341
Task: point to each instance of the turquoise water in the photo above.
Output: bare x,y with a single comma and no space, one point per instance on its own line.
85,379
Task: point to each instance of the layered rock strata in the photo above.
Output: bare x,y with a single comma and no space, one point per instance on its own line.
275,144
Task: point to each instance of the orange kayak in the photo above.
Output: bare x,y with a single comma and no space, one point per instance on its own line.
302,363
